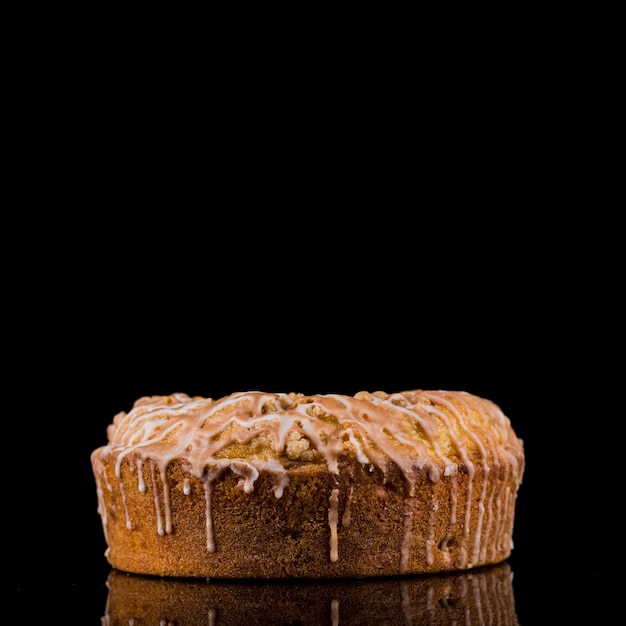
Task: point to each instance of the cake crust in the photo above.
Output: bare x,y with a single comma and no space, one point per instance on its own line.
260,485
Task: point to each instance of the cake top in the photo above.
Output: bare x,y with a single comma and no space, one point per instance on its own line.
253,431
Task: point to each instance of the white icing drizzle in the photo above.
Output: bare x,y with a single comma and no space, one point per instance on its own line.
249,433
430,540
141,485
405,549
157,505
333,518
460,449
208,518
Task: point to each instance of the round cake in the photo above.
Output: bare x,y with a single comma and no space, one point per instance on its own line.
287,485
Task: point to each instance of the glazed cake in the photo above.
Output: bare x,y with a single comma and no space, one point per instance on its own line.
284,485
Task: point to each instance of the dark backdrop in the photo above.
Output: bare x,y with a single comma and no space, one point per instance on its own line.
112,313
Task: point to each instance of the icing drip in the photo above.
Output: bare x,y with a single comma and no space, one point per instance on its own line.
210,541
142,485
157,505
438,434
405,550
430,542
333,517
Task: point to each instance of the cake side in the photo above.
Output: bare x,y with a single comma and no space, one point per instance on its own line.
284,485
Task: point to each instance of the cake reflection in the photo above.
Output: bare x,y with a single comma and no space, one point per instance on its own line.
480,596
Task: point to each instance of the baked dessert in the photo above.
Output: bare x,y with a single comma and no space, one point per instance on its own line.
476,597
284,485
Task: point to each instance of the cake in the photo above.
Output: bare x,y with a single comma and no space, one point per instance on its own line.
287,485
475,597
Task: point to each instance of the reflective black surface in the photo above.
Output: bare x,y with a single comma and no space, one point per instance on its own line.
469,597
546,594
389,305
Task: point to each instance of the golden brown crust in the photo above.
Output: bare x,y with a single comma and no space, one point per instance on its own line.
299,519
259,535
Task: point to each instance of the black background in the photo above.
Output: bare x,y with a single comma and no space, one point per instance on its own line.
436,214
122,305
